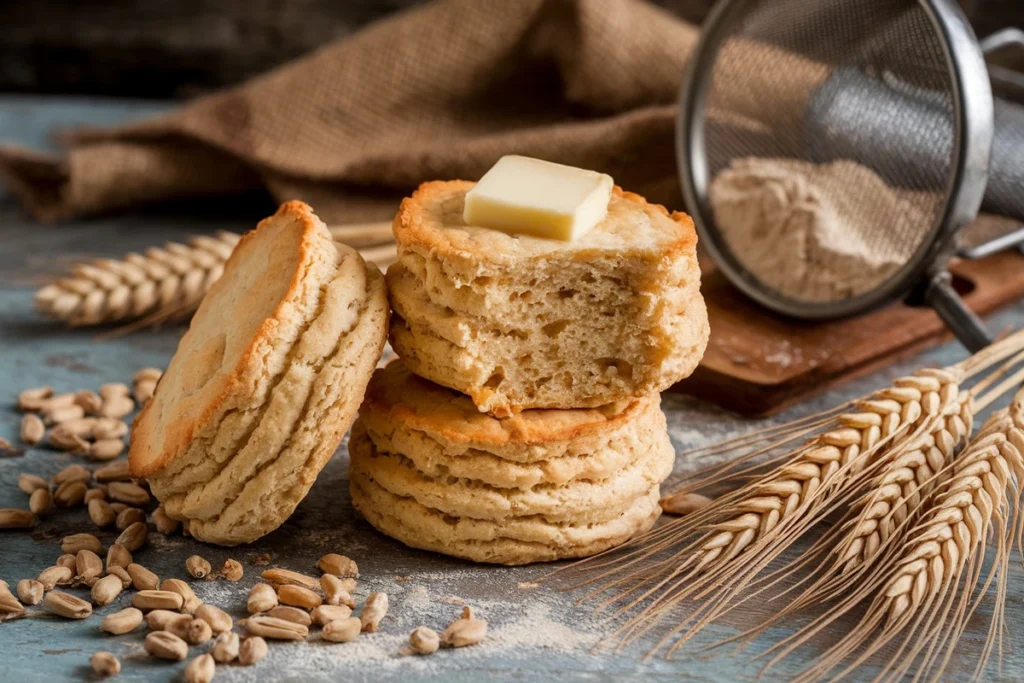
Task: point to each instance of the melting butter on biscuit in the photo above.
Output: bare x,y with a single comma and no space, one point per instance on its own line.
520,195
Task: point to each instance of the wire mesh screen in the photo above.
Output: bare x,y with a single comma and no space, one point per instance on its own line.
829,139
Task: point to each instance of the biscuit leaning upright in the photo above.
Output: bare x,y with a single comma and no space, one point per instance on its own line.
520,322
265,382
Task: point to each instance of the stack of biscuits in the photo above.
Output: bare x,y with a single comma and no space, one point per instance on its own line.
522,422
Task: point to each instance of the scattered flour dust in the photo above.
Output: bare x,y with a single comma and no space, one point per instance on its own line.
518,629
817,232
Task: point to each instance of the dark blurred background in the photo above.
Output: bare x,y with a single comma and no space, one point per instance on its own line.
181,48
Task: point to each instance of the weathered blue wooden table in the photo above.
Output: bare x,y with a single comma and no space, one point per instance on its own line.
537,633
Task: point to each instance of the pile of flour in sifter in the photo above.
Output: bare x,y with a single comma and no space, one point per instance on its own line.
817,232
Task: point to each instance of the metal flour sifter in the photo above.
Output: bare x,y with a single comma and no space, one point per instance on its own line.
897,87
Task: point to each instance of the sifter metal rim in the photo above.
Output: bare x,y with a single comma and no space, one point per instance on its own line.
972,141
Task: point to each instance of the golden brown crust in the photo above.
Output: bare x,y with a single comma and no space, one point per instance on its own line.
416,225
397,396
154,444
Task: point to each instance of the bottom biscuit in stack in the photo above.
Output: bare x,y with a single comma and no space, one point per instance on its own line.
430,470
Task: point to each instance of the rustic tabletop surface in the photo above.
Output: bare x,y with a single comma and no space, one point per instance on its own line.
535,632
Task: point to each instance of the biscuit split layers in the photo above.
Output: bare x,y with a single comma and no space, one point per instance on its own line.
518,322
265,383
430,470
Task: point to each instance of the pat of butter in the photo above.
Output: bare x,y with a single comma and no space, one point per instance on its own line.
533,197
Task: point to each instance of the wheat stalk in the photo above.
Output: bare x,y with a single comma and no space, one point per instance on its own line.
167,283
934,585
709,558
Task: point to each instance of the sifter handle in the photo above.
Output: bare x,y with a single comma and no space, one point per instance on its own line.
967,327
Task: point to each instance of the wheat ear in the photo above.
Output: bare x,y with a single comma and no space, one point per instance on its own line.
167,283
710,557
924,599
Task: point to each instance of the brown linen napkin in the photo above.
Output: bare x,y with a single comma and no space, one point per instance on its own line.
438,92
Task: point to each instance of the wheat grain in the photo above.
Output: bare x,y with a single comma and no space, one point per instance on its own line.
924,598
710,559
167,283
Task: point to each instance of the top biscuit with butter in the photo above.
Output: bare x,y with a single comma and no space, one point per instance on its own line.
519,322
265,382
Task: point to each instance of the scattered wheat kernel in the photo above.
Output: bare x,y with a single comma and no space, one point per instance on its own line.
464,632
298,596
122,574
118,556
164,524
286,577
105,590
88,564
105,664
63,439
128,492
292,614
40,502
75,542
278,629
69,494
106,449
198,567
98,492
197,632
10,606
55,576
30,591
117,407
57,415
109,428
424,641
147,375
128,516
30,483
262,598
252,650
200,669
232,570
32,429
219,620
113,390
192,602
72,473
341,631
162,619
66,605
115,471
89,401
166,645
67,560
144,391
100,512
157,599
121,622
225,647
374,609
32,399
339,565
327,613
134,537
335,591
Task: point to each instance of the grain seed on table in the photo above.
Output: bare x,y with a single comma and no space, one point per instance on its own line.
374,609
342,630
166,645
66,605
292,614
105,664
262,598
200,669
226,647
30,591
424,641
121,622
252,650
198,567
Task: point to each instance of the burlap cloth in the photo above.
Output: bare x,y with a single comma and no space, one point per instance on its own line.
438,92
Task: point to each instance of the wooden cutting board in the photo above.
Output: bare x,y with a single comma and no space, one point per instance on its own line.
757,362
